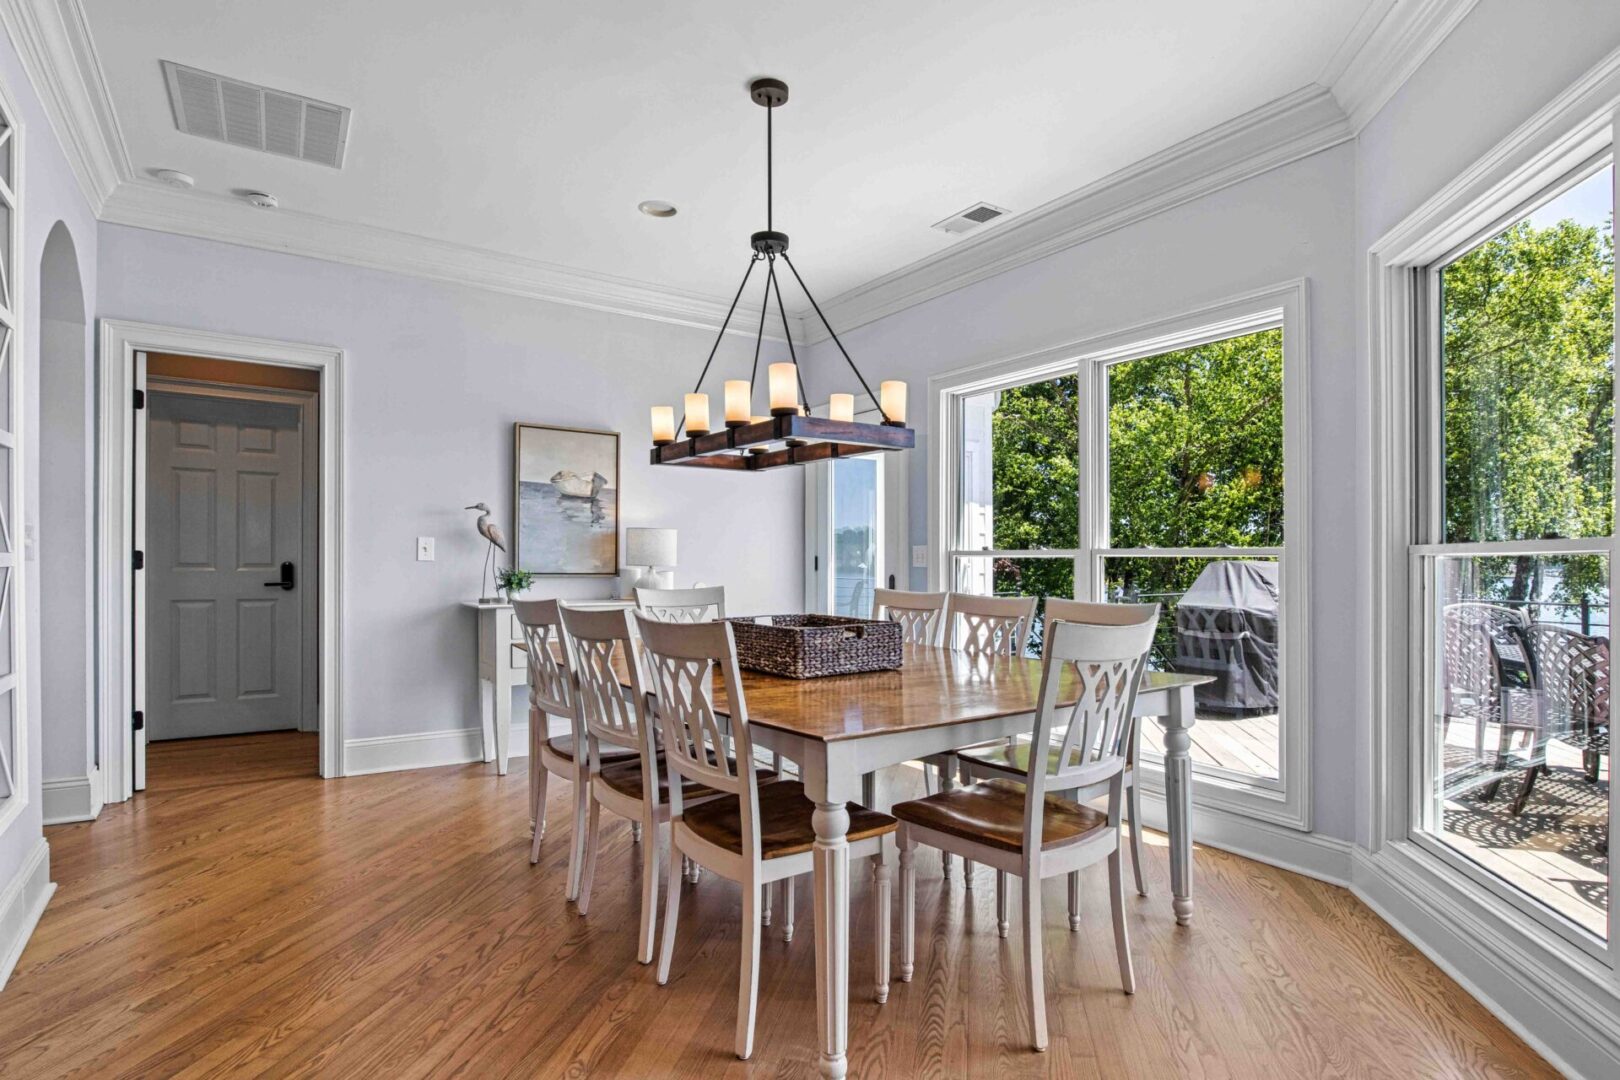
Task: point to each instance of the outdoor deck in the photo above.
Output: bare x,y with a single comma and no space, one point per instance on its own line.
1246,744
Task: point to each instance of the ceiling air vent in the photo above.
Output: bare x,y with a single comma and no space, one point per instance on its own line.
256,117
966,220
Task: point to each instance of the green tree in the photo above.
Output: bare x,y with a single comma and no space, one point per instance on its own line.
1528,355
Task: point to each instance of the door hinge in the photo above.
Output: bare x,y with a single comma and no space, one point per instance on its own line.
140,720
817,566
140,400
140,560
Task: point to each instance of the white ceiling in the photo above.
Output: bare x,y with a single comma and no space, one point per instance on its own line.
532,128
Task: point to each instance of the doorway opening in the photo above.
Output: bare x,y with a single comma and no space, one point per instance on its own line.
227,614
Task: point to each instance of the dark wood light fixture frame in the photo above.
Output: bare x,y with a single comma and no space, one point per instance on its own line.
788,436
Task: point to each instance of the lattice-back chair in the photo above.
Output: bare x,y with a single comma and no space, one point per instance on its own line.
1472,684
979,627
1017,826
553,692
984,626
617,716
1572,677
683,605
921,615
1012,759
753,833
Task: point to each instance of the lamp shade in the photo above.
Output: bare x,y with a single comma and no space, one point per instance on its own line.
649,547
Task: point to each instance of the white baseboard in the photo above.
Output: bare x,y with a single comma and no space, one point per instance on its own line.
71,798
22,902
426,750
1324,858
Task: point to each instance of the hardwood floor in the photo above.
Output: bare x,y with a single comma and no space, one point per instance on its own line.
267,923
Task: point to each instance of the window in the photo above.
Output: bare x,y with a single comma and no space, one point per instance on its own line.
13,751
1515,537
1151,467
855,530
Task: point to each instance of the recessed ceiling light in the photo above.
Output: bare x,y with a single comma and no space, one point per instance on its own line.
656,208
174,178
262,199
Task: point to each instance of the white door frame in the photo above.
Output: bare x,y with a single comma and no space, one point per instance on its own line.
894,544
120,340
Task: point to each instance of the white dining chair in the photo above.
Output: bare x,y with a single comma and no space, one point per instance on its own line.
1023,829
637,790
552,693
979,627
1001,759
921,615
756,835
682,605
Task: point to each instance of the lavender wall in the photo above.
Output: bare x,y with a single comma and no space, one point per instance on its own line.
436,376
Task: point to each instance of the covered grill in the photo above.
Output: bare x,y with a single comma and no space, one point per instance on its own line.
1226,626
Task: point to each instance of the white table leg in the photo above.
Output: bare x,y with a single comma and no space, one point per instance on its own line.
1178,800
503,728
831,885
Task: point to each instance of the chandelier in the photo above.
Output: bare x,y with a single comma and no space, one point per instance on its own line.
790,435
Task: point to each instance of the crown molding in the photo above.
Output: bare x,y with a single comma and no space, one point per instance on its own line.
59,56
1388,44
1305,122
146,204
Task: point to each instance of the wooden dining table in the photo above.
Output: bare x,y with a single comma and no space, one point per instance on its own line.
841,730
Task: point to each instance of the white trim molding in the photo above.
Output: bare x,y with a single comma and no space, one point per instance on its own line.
1387,45
71,798
427,749
22,902
119,342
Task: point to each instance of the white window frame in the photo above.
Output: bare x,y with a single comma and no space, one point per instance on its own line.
16,558
1287,800
1541,966
893,530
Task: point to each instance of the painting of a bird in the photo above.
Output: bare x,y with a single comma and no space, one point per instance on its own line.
497,539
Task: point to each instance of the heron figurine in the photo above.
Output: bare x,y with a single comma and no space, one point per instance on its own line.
491,532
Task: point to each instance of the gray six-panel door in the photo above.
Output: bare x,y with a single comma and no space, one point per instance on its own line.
224,514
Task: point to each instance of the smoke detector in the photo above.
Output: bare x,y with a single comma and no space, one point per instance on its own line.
174,178
981,213
262,199
256,117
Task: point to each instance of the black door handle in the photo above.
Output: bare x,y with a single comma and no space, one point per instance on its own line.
288,578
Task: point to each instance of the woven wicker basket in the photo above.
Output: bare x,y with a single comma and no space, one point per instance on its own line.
813,646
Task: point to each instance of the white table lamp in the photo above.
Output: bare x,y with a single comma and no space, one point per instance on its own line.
652,550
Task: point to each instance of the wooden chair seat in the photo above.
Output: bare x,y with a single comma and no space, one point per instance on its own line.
1011,760
625,778
992,813
563,747
784,821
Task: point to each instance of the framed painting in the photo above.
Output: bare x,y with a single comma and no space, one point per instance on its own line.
567,500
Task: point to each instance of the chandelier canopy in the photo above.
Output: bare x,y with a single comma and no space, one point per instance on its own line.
790,434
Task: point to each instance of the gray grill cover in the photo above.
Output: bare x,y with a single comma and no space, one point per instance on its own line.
1226,626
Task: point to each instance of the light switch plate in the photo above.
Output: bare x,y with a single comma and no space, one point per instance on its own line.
919,555
424,549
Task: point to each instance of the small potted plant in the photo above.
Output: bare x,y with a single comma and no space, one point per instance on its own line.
513,581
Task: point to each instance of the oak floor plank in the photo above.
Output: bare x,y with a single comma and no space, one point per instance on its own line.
244,918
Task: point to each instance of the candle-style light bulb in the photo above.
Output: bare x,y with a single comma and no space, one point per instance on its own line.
892,399
841,407
738,395
663,425
784,389
697,414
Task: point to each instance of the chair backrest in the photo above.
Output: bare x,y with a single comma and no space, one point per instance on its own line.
683,605
1102,666
983,626
551,685
1471,658
921,615
682,661
1573,671
610,714
1092,614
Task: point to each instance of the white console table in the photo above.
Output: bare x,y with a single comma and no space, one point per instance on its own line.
502,667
